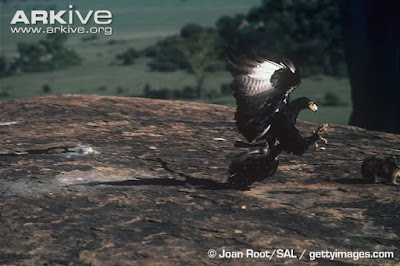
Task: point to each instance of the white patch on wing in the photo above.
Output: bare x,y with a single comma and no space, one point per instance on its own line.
260,77
263,133
265,70
292,68
289,64
252,86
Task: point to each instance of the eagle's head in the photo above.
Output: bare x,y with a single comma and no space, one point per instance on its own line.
305,103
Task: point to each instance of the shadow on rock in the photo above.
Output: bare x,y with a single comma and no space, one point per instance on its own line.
200,183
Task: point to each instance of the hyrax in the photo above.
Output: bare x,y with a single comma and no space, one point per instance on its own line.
387,167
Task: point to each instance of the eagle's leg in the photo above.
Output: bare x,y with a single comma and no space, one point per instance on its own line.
393,178
317,135
242,144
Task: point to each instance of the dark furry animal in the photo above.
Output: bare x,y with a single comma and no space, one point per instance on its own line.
387,167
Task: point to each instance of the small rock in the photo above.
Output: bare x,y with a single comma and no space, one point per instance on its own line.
8,123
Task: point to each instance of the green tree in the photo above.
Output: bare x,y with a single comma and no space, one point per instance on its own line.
197,50
166,55
202,55
46,55
128,57
7,67
306,31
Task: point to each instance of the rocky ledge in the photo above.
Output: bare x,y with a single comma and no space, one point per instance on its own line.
116,181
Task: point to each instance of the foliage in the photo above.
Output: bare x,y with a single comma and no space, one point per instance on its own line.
89,38
46,88
331,99
201,53
165,93
46,55
174,52
227,28
7,67
226,89
128,57
306,31
6,91
190,31
166,55
119,90
197,50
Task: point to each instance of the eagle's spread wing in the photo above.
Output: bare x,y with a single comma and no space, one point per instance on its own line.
261,88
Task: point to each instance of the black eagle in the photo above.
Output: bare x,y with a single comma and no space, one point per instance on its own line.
265,116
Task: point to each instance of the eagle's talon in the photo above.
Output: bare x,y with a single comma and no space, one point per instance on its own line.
324,140
316,146
322,128
319,131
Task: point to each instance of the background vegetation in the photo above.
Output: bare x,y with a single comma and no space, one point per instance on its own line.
175,50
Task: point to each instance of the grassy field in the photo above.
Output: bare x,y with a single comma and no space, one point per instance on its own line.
138,24
135,20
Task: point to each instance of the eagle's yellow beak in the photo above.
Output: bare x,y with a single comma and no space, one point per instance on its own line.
313,107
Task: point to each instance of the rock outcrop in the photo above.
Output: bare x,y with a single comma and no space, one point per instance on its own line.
116,181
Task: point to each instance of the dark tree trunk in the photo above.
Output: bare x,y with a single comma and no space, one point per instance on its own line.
200,88
372,47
